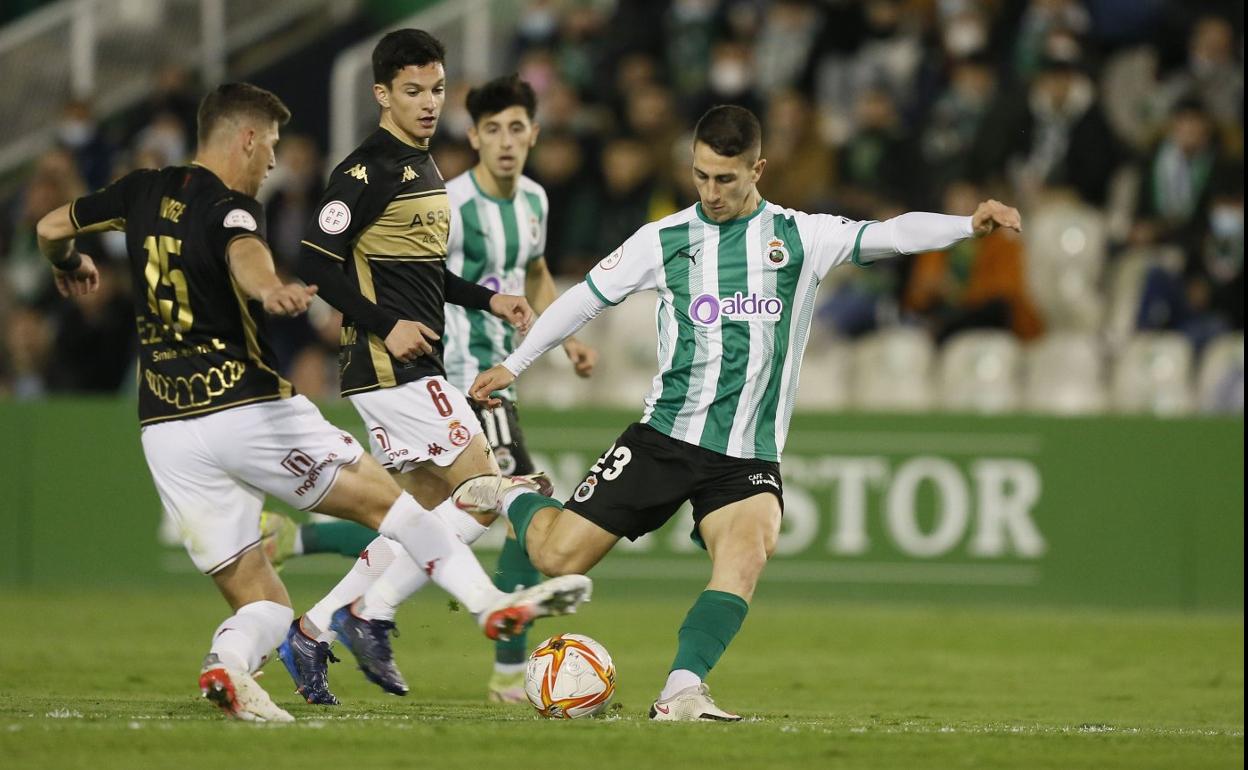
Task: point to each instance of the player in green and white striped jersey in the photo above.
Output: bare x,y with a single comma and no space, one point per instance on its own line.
736,278
498,239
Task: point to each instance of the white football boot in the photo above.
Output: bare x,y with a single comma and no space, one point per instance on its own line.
484,494
238,695
692,704
517,610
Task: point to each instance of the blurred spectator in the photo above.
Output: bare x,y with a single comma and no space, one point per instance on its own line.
877,163
94,344
54,181
978,283
27,343
174,98
80,133
1039,20
648,116
627,196
731,80
689,26
293,192
799,165
1211,74
786,43
1175,181
558,163
947,142
1054,134
1207,296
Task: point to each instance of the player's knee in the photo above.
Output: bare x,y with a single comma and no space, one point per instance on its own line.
554,562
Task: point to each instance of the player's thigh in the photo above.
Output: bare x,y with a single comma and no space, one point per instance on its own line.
501,425
573,544
289,450
217,515
422,483
636,485
251,578
426,422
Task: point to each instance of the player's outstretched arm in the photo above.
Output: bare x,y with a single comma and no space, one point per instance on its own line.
539,287
74,273
917,231
577,307
251,264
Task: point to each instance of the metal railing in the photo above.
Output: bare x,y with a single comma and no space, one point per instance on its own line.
109,52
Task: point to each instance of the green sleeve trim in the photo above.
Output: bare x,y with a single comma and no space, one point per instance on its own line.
858,245
594,289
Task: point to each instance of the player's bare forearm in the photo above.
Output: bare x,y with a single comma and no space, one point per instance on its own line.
539,287
55,233
251,264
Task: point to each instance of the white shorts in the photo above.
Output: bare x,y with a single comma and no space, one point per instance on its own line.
212,472
428,419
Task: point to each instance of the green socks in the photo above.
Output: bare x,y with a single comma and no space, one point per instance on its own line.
341,537
523,509
708,629
514,570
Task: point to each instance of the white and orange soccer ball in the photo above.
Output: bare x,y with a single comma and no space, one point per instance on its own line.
569,676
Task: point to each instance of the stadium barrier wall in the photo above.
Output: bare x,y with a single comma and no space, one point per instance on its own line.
1107,511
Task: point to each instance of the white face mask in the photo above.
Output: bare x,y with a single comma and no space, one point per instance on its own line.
74,133
963,38
729,78
1226,222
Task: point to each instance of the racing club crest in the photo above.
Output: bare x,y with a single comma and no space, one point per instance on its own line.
777,254
586,489
458,434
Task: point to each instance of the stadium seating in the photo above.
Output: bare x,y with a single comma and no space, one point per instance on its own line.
1063,375
1065,256
892,371
979,372
1153,375
825,378
1125,288
1220,380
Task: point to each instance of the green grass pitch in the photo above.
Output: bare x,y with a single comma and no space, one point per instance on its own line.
107,679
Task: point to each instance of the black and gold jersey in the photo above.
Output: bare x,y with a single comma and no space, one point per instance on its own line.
202,342
386,217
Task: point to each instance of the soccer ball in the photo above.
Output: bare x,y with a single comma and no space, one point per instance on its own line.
569,676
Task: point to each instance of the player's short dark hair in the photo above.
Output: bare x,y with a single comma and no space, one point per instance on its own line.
499,94
231,101
405,48
729,130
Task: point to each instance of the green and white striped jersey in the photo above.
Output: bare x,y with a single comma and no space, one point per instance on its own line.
492,242
734,309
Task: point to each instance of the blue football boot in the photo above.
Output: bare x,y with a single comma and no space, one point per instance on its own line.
369,641
308,661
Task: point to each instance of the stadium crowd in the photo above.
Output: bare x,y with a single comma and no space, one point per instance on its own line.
1129,109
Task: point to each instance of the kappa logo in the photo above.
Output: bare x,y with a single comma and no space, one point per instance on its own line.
358,172
408,175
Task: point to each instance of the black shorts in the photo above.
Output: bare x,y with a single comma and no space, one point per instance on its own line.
644,478
502,430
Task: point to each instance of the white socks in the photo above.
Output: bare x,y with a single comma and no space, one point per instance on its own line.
243,642
678,680
371,565
382,599
436,549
